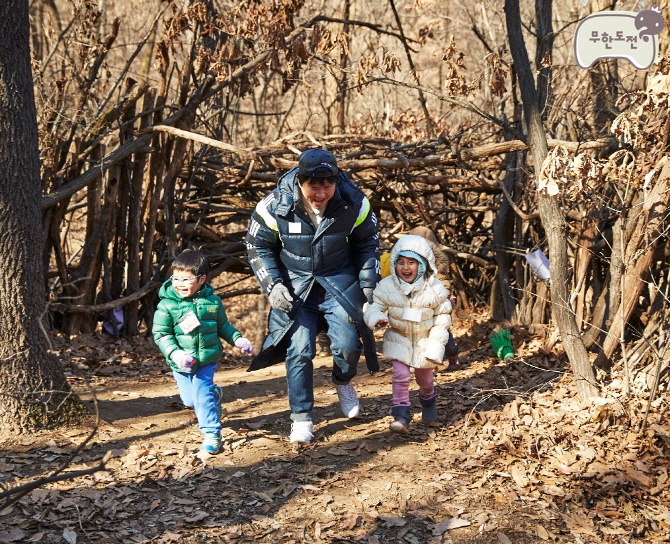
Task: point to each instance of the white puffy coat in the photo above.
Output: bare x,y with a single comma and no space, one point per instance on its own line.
414,343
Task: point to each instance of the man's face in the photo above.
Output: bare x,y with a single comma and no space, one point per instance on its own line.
318,191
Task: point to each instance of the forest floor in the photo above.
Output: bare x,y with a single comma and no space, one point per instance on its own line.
514,458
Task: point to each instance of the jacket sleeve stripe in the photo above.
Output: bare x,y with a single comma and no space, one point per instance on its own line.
365,210
266,216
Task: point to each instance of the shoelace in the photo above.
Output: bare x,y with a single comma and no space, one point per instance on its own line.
348,392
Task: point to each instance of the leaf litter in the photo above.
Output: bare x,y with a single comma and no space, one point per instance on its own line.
516,458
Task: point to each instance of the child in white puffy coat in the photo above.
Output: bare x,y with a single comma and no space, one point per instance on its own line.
416,306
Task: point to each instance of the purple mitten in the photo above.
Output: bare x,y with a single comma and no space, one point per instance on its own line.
183,360
244,345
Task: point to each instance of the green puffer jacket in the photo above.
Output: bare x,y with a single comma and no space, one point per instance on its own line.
203,342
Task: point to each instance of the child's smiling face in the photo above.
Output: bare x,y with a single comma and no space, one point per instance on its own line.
186,284
407,268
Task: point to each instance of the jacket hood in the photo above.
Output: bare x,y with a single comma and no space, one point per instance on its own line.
417,244
167,291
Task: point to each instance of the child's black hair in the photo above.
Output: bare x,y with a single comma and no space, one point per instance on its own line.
191,261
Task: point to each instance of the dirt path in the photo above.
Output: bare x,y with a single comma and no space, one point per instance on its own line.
469,480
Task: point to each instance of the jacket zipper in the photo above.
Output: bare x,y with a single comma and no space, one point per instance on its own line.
411,333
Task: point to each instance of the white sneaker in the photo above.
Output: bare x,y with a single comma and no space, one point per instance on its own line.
302,431
348,400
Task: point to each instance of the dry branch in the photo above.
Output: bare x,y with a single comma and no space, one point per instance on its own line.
99,308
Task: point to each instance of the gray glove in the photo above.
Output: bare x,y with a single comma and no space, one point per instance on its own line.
367,292
280,298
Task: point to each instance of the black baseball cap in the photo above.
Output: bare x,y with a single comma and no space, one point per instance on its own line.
317,163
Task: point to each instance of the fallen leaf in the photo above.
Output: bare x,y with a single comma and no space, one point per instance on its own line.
641,466
519,476
542,532
70,536
142,426
503,538
199,514
338,451
13,535
449,524
349,521
393,521
256,425
553,490
579,524
638,477
500,497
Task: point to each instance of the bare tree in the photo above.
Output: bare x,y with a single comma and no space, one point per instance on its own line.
551,214
33,388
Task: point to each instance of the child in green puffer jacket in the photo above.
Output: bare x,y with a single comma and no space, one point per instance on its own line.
188,324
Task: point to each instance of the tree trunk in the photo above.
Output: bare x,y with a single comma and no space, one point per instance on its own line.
544,48
33,388
503,229
551,215
638,260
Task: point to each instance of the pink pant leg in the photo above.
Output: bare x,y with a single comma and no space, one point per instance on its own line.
424,377
401,379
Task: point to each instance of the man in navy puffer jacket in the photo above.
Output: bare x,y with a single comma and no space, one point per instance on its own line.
313,246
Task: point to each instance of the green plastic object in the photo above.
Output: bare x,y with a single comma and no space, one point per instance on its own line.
501,342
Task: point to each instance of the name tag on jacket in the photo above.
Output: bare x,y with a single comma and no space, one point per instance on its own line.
294,228
411,314
189,323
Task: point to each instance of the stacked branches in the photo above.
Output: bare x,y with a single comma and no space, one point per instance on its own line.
141,162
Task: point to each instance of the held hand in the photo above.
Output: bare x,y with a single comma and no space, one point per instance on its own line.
183,360
244,345
381,324
280,298
367,292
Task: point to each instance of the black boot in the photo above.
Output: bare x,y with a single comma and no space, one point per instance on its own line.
429,411
401,415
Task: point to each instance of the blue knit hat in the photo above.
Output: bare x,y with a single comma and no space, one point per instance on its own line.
418,258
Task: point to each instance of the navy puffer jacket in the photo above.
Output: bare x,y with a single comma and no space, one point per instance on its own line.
341,254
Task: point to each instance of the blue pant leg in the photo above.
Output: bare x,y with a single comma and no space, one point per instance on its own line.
299,357
451,349
205,404
185,386
345,341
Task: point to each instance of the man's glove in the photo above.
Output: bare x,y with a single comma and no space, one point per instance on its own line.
183,360
244,345
367,292
280,298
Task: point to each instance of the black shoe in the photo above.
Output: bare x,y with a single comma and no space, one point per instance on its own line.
429,410
402,416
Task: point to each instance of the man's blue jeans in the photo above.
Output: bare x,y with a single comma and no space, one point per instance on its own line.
345,345
197,392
